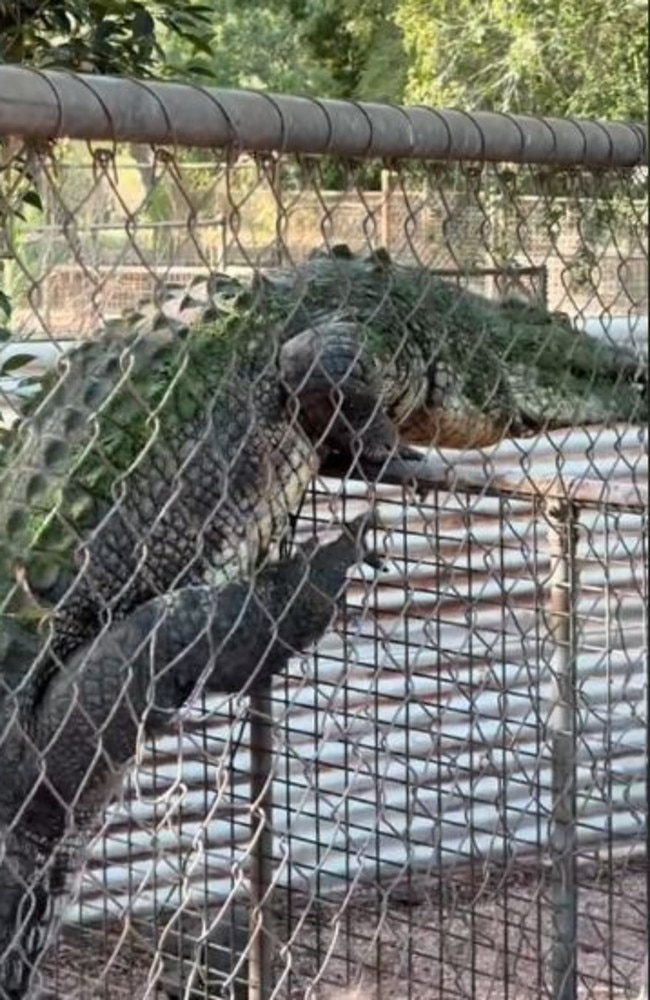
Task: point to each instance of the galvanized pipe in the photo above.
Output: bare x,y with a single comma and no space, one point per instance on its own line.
38,104
562,721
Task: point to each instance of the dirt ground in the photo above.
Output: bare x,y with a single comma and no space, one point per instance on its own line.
476,939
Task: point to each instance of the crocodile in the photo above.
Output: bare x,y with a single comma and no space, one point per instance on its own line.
453,368
174,449
154,460
133,678
180,441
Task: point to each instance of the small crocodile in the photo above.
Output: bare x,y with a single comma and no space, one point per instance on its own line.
68,754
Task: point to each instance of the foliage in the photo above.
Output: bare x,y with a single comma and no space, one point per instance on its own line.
99,36
554,57
333,48
561,57
357,41
249,44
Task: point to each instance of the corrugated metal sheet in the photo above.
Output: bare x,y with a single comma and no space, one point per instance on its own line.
624,331
414,738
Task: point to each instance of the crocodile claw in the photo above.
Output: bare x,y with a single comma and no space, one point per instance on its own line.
358,528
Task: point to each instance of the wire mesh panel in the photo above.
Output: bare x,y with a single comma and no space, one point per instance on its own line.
409,760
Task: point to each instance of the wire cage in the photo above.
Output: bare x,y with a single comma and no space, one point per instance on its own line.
446,795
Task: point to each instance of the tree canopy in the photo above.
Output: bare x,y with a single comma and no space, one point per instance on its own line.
100,36
562,57
559,57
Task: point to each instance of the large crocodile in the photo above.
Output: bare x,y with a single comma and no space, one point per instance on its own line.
453,368
156,460
173,450
66,755
179,443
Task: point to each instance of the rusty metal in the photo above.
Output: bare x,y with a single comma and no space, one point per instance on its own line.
562,725
260,961
49,104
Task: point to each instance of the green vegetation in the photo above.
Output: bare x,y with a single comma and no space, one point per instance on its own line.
100,36
561,57
550,57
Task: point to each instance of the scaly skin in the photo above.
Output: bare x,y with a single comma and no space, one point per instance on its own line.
132,679
172,452
452,368
106,512
211,417
160,459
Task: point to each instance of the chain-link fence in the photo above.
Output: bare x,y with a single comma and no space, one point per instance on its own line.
408,759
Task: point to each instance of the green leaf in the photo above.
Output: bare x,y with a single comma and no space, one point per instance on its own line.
197,69
15,362
5,304
143,23
33,198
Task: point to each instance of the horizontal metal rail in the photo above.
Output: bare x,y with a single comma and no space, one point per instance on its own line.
429,473
37,104
136,223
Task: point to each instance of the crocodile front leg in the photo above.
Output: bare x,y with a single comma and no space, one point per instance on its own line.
337,393
63,762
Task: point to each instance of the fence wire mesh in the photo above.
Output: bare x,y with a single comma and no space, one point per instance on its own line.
441,791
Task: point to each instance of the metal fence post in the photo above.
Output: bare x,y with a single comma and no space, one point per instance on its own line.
562,540
387,185
260,964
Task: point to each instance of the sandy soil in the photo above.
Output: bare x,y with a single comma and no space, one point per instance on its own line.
460,939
